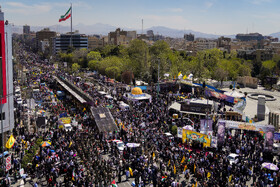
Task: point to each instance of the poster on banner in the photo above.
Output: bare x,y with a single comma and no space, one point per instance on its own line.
8,163
269,136
206,125
277,136
196,136
221,132
214,141
179,132
65,120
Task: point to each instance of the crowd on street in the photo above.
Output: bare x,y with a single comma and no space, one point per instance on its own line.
87,157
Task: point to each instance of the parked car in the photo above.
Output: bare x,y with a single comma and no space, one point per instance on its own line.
68,127
233,158
119,144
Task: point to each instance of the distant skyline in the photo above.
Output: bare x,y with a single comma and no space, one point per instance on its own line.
221,17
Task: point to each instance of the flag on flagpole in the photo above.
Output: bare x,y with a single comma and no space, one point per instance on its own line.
10,143
174,169
163,178
194,167
183,159
66,15
154,155
185,76
196,184
114,184
168,163
70,143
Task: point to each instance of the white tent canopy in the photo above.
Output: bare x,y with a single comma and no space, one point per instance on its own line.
234,94
188,127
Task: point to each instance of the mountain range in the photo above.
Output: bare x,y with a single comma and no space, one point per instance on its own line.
104,29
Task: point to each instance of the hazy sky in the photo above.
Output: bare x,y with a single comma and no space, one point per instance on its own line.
209,16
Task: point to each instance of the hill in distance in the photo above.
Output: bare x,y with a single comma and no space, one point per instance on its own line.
104,29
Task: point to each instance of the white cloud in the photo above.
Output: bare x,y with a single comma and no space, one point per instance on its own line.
20,8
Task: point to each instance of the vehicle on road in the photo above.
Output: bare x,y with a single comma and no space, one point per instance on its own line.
67,127
233,158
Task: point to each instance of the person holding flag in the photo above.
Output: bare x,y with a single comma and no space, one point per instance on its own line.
183,159
10,143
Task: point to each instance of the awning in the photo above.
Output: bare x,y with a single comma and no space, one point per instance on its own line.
70,90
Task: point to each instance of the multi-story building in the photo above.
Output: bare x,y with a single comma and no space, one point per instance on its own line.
44,35
26,29
203,44
236,45
94,42
223,44
249,37
121,37
189,37
258,55
6,74
274,46
150,34
64,42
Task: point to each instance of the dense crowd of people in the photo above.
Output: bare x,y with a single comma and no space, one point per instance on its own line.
87,157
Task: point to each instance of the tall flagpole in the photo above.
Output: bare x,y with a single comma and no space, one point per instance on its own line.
71,43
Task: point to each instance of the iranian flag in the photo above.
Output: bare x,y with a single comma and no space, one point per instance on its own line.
66,15
114,184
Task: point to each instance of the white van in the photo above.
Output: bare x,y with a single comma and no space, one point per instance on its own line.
67,127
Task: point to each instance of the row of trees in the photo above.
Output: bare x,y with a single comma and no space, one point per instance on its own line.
145,61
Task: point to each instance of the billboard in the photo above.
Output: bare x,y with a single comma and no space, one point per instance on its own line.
196,107
221,132
196,136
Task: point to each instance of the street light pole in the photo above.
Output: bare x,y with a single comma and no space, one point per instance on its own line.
158,77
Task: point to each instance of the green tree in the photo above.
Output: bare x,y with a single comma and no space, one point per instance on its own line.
93,55
80,57
161,55
75,67
113,72
93,64
270,65
138,54
111,61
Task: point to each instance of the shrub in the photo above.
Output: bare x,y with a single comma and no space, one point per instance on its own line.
238,87
230,87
